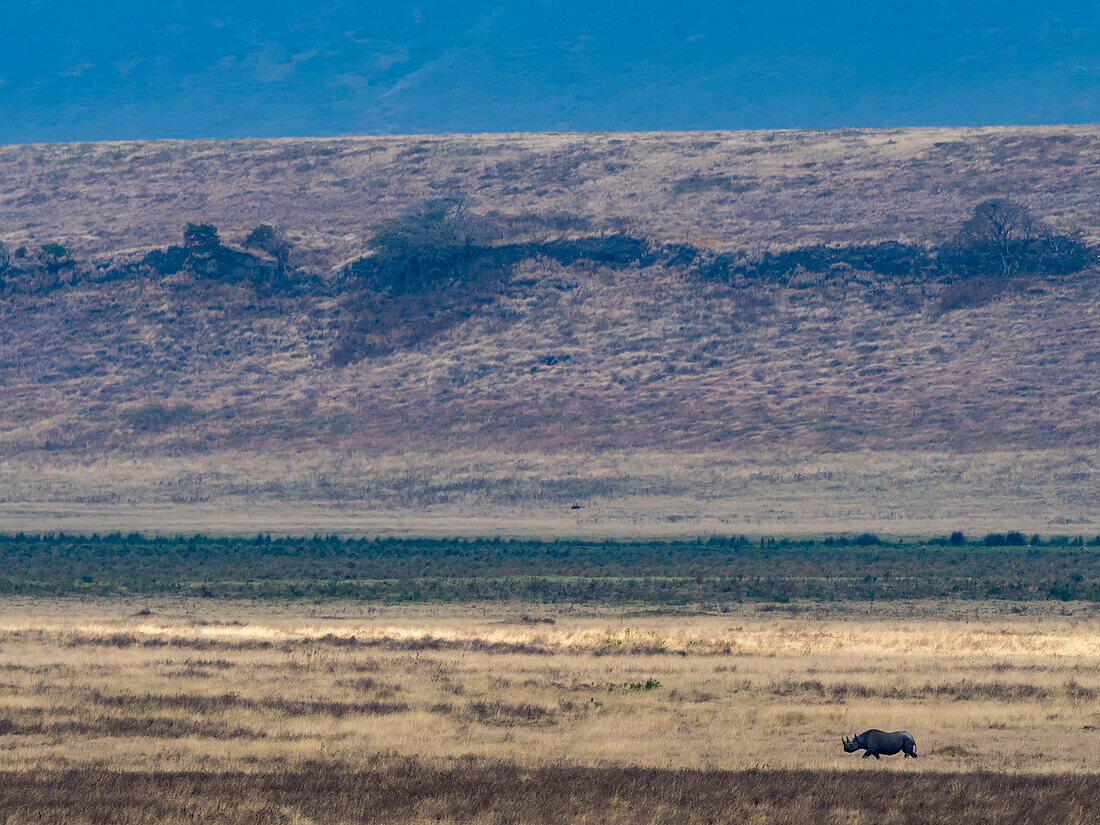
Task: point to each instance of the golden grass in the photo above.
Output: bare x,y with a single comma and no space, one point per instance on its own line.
230,687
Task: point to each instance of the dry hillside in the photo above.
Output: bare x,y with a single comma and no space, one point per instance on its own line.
654,395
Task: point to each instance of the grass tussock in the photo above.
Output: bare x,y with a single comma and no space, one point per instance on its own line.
126,726
205,704
962,691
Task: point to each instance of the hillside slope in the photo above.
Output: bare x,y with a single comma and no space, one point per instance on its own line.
640,387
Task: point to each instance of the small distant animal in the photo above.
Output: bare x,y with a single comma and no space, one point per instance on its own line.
876,742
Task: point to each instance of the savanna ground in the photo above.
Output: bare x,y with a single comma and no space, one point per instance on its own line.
170,709
558,399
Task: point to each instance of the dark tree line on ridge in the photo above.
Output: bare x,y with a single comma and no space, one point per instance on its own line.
440,243
436,264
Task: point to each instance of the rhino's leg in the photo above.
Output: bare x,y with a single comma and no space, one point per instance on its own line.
867,754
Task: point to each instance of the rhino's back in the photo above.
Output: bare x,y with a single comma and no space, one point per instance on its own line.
882,741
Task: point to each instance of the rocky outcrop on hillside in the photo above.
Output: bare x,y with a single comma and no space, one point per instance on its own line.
264,263
40,270
203,253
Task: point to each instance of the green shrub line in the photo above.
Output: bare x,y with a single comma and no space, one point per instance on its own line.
1003,566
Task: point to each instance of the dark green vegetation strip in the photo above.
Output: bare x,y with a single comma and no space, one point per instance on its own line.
400,791
714,570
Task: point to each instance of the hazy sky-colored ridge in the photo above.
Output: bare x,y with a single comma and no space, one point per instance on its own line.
82,70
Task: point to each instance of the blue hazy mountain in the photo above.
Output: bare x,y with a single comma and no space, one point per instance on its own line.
79,70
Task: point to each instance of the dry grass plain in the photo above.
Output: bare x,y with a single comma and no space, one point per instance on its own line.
193,686
171,711
621,493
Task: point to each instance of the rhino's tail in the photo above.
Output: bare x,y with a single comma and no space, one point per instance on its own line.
910,745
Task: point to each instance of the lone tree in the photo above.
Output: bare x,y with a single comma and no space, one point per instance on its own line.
1003,238
268,239
432,246
1001,230
201,236
54,250
274,242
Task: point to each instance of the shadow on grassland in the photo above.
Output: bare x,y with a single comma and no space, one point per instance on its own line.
406,791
